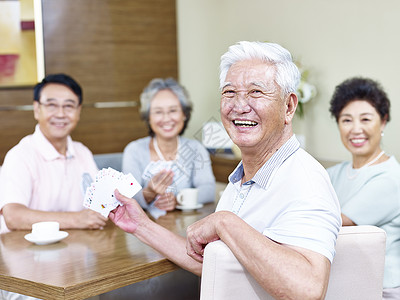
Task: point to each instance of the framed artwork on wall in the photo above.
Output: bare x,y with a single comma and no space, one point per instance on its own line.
21,47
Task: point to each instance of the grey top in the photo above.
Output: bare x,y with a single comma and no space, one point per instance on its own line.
191,169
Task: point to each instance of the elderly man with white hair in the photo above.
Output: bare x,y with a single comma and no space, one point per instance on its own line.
279,214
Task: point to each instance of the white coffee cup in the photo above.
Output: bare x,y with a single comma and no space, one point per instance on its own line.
45,229
188,197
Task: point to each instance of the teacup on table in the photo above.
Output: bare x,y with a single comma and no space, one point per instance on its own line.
187,199
45,229
46,232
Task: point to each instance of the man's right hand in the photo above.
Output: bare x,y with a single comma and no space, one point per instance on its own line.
129,216
20,217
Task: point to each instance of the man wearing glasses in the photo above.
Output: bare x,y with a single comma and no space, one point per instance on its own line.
44,177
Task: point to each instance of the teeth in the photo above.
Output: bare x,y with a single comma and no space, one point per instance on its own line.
244,123
357,141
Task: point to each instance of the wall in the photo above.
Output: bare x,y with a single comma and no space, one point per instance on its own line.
113,48
17,47
333,39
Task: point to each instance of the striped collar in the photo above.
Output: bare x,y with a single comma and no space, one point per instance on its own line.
265,172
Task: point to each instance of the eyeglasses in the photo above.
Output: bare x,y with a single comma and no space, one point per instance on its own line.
54,107
249,94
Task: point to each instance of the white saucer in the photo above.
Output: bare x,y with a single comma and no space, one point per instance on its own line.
46,240
188,208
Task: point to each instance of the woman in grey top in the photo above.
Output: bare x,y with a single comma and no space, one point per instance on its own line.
164,162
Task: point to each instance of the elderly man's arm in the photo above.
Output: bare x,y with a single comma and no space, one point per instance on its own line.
131,218
19,217
284,271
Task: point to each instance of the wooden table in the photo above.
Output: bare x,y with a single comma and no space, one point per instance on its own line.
87,262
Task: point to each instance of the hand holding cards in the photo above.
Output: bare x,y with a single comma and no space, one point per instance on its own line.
100,195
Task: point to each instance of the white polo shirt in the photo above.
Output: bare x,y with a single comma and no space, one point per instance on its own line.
36,175
290,200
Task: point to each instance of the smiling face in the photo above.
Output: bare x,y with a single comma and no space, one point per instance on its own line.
253,111
360,129
57,112
166,117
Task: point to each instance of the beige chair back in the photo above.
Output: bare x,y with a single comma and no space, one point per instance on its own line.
356,272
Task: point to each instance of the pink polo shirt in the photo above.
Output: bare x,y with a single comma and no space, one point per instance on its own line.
36,175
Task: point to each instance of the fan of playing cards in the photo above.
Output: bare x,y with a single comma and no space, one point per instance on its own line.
100,194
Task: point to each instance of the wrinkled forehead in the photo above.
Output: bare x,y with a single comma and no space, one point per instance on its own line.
244,74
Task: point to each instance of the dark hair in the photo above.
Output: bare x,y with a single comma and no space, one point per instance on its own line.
64,79
159,84
358,88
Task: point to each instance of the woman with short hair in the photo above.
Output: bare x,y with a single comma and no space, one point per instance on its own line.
368,187
165,162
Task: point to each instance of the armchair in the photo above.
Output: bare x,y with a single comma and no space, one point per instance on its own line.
356,272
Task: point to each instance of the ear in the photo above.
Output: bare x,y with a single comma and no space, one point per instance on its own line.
78,112
36,110
290,105
384,122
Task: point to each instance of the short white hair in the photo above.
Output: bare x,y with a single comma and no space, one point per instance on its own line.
287,73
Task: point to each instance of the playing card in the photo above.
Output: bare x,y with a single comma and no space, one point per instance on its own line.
155,167
99,195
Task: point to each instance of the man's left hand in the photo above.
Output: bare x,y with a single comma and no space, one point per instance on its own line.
204,231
